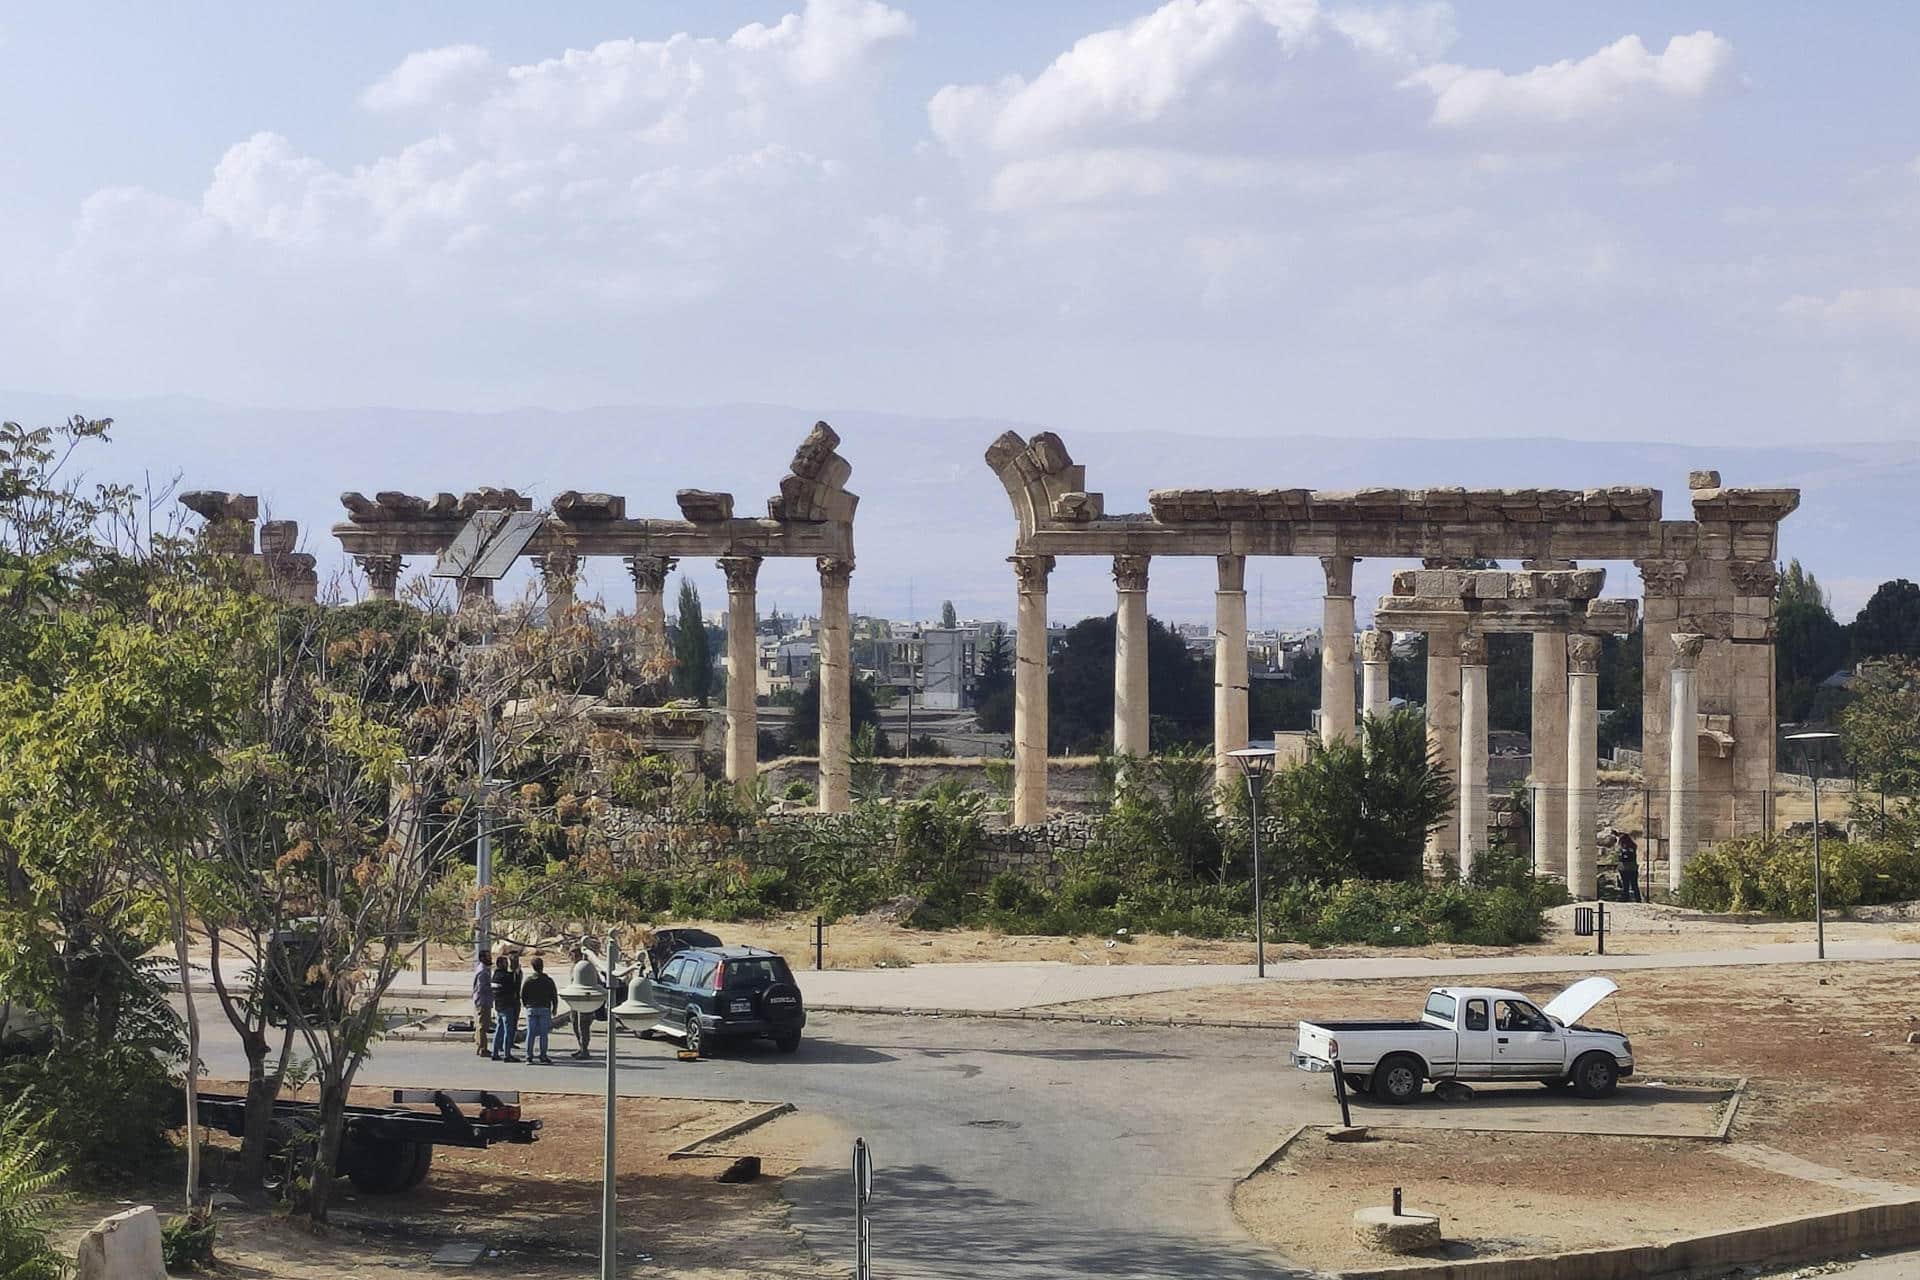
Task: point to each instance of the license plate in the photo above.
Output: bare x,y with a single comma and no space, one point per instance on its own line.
741,1006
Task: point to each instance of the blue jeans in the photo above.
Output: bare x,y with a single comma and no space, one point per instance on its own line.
506,1023
539,1029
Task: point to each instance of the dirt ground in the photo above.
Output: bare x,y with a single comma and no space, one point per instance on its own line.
1510,1193
1831,1078
537,1206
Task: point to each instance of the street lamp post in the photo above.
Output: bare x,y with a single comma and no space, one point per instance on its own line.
1812,740
584,1001
1256,764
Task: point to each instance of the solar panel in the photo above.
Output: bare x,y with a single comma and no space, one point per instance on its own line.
487,547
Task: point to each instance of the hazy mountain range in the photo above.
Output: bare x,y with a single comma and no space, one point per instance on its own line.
933,522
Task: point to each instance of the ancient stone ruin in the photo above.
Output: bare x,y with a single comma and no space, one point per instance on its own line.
1709,585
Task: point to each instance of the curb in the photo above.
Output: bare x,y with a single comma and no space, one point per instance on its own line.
1888,1225
770,1111
1273,1157
1040,1013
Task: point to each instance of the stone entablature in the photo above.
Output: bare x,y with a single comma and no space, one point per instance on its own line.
230,529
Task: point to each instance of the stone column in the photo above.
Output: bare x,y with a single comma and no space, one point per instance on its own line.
1376,661
650,603
1229,667
558,572
1549,738
1443,736
836,687
1583,752
1683,758
1030,691
382,574
1666,593
1130,656
476,593
1336,649
1473,750
743,669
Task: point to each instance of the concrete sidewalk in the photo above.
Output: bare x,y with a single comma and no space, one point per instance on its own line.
996,987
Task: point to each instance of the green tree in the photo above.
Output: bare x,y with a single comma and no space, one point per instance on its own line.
993,688
692,649
948,617
1080,688
1889,625
1361,809
1798,587
1809,646
1880,733
803,726
1621,677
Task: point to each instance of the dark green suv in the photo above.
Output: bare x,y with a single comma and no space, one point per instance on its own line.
706,995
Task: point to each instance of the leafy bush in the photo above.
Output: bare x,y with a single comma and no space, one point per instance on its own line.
111,1107
1774,874
186,1243
27,1176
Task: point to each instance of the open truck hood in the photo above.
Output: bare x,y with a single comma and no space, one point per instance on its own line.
1572,1004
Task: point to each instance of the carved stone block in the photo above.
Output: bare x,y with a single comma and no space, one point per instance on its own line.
704,506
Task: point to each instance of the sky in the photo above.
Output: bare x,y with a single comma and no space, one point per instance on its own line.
1682,221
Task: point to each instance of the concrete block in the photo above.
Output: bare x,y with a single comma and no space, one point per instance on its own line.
123,1247
1384,1231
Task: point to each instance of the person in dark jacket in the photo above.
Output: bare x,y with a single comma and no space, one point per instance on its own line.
483,1004
506,1010
538,996
1629,868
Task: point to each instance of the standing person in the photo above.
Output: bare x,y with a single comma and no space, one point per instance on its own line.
585,974
538,996
483,1004
1629,868
506,1010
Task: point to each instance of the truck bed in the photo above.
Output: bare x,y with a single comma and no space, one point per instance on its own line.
1377,1026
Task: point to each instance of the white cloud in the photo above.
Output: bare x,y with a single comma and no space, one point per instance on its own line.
430,78
1623,84
1864,312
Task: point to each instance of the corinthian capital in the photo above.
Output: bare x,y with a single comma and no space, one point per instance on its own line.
1583,655
742,573
1686,649
835,571
1376,646
650,572
1130,572
1031,571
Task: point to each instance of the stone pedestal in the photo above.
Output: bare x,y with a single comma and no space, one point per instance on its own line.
743,668
1030,690
1548,787
1384,1231
1336,649
1473,751
123,1247
382,574
1229,668
1130,656
476,593
1443,736
1583,751
836,689
649,575
1683,758
1376,661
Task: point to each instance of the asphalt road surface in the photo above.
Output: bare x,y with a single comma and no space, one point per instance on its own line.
1016,1149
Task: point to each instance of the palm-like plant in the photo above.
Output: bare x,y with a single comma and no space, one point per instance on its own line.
27,1178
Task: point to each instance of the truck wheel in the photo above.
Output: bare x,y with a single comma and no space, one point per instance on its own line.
1397,1080
1595,1075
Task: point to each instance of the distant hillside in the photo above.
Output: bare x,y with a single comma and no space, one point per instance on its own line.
933,522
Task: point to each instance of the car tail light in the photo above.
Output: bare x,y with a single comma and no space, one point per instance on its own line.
720,977
1333,1048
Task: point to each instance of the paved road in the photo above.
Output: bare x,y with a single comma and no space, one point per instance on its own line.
1018,1150
996,987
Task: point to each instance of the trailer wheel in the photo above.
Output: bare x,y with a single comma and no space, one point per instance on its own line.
1398,1078
422,1162
291,1140
381,1168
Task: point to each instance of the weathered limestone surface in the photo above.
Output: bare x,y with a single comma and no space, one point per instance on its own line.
836,689
1336,650
1683,760
1376,659
1030,690
1549,739
1130,718
1583,752
743,659
1384,1231
125,1246
1473,750
649,575
1229,667
1443,737
559,571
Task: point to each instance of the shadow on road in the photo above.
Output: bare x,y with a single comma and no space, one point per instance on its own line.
925,1225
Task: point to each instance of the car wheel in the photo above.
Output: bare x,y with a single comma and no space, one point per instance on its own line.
696,1038
1595,1075
1397,1080
787,1042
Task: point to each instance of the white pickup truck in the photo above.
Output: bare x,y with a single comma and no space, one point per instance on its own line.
1475,1033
